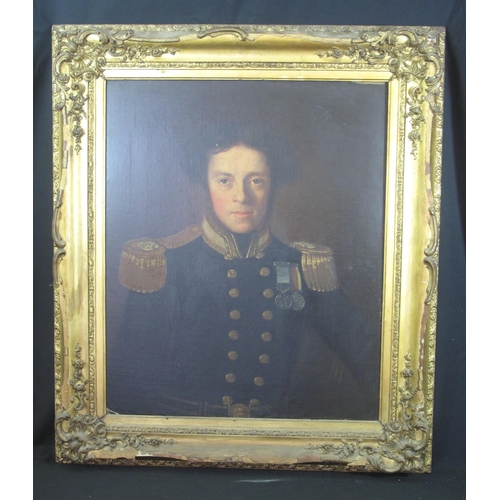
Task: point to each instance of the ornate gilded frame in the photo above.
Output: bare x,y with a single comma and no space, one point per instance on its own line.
411,61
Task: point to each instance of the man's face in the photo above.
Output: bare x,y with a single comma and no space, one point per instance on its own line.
239,182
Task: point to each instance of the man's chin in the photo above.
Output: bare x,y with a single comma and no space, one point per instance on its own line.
240,230
240,226
243,227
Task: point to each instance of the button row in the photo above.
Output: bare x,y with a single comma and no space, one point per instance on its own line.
235,293
231,377
234,335
263,271
263,358
235,314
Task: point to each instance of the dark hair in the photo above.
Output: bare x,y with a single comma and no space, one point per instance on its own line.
279,154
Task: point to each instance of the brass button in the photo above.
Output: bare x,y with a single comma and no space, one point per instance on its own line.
232,355
227,400
235,314
233,334
234,292
257,381
254,402
264,271
266,336
268,293
232,273
268,315
264,358
230,377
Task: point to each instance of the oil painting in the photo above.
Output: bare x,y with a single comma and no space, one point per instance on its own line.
223,316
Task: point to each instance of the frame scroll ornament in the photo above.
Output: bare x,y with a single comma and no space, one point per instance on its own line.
78,434
402,444
81,55
413,55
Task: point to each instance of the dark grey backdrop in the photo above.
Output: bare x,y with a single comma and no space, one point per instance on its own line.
80,482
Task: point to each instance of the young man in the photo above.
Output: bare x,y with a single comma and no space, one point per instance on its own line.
224,319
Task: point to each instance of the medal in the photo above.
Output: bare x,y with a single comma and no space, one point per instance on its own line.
288,284
283,300
298,302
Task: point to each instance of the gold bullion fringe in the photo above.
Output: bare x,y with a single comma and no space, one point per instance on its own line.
143,271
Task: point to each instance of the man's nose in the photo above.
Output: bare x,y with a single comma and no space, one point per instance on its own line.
240,193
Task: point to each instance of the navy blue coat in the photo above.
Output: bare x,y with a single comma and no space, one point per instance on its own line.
213,342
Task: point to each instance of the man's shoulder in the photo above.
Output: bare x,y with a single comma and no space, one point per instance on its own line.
143,263
317,265
182,238
301,247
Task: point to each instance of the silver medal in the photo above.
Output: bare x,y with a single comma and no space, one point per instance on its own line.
298,302
283,300
286,298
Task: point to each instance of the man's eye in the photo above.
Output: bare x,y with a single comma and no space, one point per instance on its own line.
223,181
257,181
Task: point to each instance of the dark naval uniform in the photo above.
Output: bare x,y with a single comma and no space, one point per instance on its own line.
208,331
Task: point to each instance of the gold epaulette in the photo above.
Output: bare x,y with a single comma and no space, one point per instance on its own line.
143,263
318,266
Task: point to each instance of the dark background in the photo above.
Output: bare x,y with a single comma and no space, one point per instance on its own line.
448,477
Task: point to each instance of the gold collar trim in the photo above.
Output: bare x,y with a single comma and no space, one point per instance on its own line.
223,241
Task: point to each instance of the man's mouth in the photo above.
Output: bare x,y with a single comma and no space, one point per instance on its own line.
242,214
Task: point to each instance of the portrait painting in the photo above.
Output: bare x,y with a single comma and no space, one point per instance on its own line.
244,248
246,237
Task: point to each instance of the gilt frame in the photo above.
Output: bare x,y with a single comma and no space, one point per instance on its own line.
410,61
